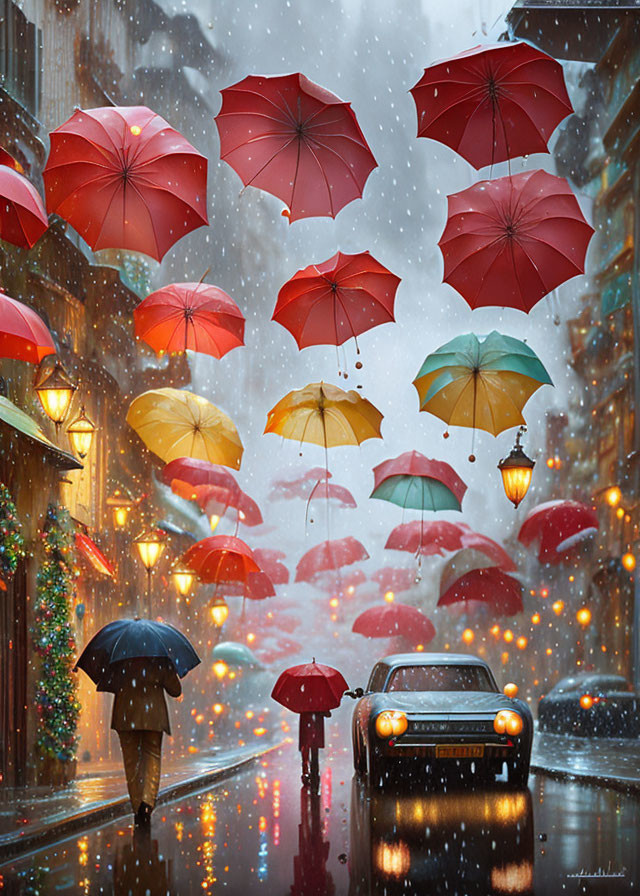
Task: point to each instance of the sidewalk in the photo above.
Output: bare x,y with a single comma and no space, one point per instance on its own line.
606,762
32,817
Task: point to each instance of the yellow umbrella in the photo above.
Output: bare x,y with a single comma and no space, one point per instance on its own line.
325,415
174,423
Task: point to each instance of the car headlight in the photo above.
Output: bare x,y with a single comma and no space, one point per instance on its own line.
391,724
508,722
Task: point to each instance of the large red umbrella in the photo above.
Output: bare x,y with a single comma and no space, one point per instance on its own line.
395,620
23,335
23,218
557,526
328,555
221,559
394,579
214,499
184,473
125,179
194,316
488,585
311,687
296,140
270,561
492,103
328,303
427,539
510,241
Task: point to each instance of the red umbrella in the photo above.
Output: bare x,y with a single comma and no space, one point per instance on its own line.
413,480
489,586
310,687
221,559
510,241
258,586
492,103
269,561
296,140
329,555
557,526
489,547
125,179
193,316
330,491
214,499
184,473
395,620
427,539
298,486
23,218
328,303
394,579
23,335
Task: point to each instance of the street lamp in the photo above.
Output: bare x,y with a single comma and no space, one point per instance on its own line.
517,470
121,506
183,578
150,545
80,433
219,611
55,392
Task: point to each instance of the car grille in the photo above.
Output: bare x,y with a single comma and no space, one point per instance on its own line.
463,726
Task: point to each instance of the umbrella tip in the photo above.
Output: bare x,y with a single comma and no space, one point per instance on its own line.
313,659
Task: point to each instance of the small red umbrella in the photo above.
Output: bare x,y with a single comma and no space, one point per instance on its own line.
23,218
298,486
510,241
395,620
331,491
413,480
125,179
311,687
557,526
269,560
492,103
23,335
221,559
195,316
329,555
328,303
489,585
394,579
295,140
184,473
214,499
427,539
490,548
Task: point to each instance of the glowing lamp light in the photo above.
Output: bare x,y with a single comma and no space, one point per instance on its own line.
351,590
516,470
495,631
508,635
468,636
584,616
586,701
220,669
251,638
214,519
508,722
219,612
628,560
544,592
136,130
391,723
557,606
389,596
535,619
511,690
121,506
613,496
150,545
334,602
218,708
183,579
393,859
55,392
620,513
80,434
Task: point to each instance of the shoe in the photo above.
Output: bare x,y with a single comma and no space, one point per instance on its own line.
142,817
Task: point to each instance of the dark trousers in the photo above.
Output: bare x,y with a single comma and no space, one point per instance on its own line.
141,751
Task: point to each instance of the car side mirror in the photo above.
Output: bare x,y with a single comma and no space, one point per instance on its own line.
355,694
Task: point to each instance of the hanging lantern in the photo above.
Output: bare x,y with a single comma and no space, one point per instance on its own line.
517,470
121,505
150,545
55,392
219,612
183,579
214,519
80,434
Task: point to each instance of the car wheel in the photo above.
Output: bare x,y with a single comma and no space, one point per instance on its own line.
518,773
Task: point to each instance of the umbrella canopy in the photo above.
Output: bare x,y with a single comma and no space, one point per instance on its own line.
394,579
462,562
328,303
326,415
23,335
426,539
23,218
413,480
269,560
311,687
127,639
233,653
557,526
221,559
331,491
492,103
490,548
298,486
215,499
395,620
510,241
193,316
174,423
125,179
478,382
489,585
288,136
184,473
328,555
258,586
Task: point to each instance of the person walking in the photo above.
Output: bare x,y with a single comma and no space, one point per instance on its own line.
310,740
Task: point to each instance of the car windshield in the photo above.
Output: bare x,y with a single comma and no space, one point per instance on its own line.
440,678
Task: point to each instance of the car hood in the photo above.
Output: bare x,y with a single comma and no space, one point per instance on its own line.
449,702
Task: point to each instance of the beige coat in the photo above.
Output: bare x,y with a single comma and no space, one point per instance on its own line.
139,705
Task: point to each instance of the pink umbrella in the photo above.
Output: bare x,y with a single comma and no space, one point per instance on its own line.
269,561
427,539
557,526
329,555
395,620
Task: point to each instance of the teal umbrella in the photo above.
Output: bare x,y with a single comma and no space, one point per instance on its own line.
233,653
415,481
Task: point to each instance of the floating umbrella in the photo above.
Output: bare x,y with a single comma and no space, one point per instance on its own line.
330,555
288,136
510,241
490,548
413,480
331,491
269,560
174,423
23,335
492,103
311,687
214,499
125,179
193,316
184,473
395,620
328,303
221,559
426,539
394,579
557,526
298,486
233,653
23,218
257,586
478,382
488,585
464,561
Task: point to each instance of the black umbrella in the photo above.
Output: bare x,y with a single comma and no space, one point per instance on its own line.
135,639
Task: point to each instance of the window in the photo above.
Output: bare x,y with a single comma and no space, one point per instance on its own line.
20,57
440,678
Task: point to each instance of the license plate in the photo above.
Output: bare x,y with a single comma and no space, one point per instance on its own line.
459,751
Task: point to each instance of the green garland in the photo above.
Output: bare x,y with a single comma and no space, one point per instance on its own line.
12,548
56,689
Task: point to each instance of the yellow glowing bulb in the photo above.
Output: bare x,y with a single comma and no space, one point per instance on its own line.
495,630
468,636
586,701
120,515
220,669
511,689
251,638
535,619
584,616
389,596
557,607
613,496
620,512
508,635
351,589
522,642
334,602
136,130
217,708
214,519
629,561
219,612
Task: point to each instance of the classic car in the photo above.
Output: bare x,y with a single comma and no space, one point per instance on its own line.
439,713
591,704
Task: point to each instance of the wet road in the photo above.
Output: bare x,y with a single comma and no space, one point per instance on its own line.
261,832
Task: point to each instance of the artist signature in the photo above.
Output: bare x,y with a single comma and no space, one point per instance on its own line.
599,873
